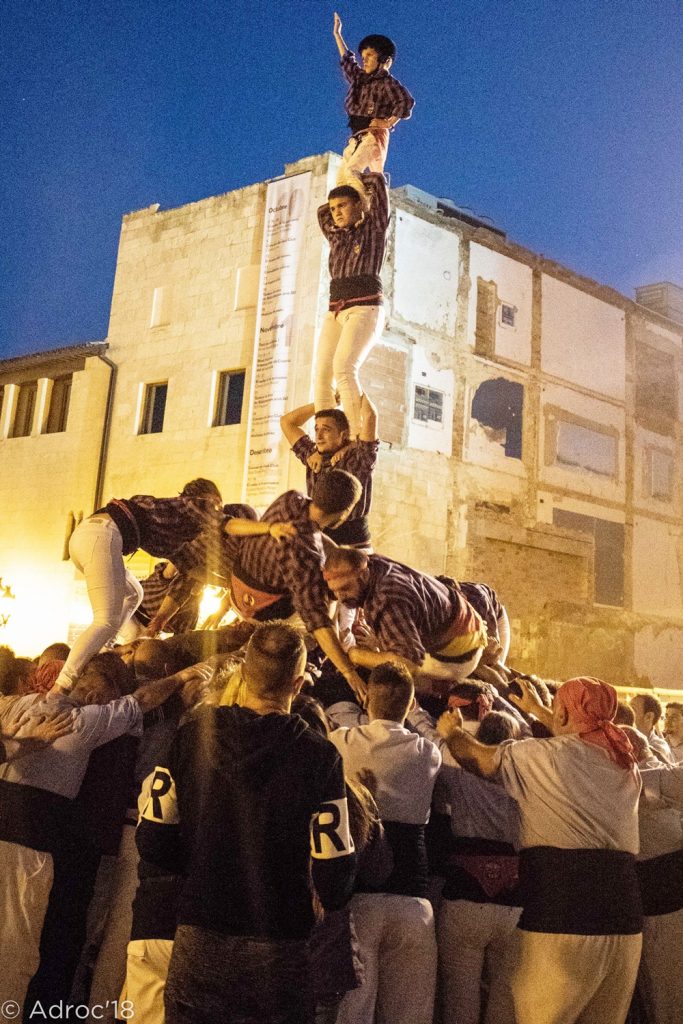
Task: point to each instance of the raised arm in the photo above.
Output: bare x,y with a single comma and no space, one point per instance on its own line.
292,422
469,753
337,33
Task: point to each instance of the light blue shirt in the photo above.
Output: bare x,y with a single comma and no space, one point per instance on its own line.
60,768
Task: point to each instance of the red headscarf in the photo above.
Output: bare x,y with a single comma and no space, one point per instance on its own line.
46,676
591,706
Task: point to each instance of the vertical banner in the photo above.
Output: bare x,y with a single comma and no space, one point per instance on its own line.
283,237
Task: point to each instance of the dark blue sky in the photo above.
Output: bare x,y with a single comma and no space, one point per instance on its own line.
560,121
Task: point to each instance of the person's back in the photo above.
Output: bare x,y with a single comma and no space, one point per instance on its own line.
247,787
394,921
250,802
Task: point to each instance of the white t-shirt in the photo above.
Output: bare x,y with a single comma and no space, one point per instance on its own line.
404,764
570,794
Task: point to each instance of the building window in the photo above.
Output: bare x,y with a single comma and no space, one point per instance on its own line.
497,407
428,407
581,447
507,314
160,312
25,408
656,388
154,408
608,564
59,405
659,474
229,398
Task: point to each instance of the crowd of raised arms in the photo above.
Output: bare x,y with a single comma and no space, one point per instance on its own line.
345,805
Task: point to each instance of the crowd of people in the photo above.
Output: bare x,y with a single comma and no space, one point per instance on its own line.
345,805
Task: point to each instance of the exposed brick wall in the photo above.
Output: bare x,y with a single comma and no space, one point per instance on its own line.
384,375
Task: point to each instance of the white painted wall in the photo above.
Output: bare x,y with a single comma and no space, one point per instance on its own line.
657,564
431,437
426,267
658,656
583,339
514,286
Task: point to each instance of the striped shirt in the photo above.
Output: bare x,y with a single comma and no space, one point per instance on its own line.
359,459
378,94
294,565
185,592
406,608
485,601
358,251
209,557
161,526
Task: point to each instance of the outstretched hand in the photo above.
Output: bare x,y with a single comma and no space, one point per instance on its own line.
337,25
529,702
357,685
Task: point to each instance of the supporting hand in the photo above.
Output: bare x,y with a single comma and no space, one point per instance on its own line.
449,723
315,462
281,530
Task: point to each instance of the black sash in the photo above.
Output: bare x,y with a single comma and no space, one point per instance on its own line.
661,883
35,817
579,892
410,874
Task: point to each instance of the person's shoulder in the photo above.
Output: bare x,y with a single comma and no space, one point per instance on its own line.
303,445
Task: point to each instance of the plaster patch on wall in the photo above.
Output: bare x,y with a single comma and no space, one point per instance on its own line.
430,422
426,273
658,655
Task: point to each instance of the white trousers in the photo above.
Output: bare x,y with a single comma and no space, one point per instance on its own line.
96,550
368,154
398,950
660,979
573,979
147,970
25,884
473,937
110,967
343,346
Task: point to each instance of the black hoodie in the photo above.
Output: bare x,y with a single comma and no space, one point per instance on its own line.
247,808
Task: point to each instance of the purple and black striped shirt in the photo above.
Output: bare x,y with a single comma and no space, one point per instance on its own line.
358,251
406,608
376,95
294,565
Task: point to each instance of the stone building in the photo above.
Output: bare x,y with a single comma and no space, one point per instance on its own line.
530,418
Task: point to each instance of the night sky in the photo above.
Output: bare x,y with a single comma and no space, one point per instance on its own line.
559,121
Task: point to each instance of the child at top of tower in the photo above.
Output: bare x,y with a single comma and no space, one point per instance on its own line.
375,103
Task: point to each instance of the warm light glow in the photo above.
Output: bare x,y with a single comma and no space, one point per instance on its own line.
209,604
6,602
39,612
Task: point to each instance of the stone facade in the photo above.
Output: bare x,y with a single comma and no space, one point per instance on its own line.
530,418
